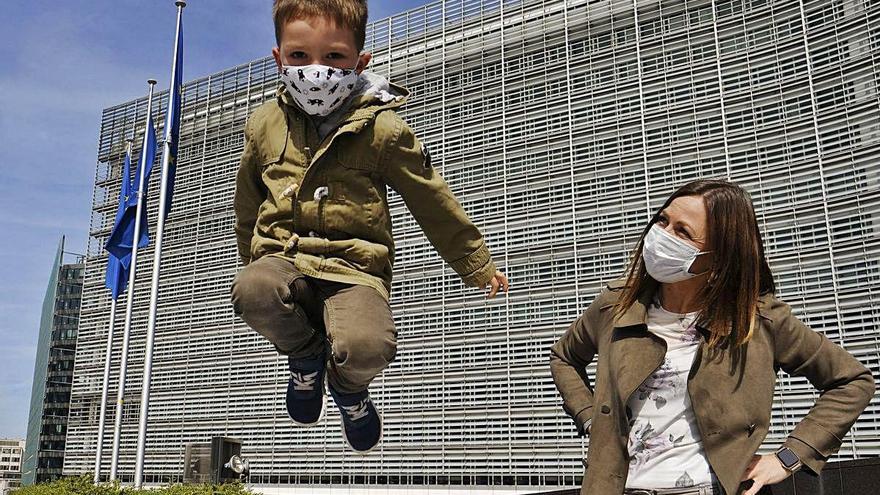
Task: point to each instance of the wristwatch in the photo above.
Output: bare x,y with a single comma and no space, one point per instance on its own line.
790,461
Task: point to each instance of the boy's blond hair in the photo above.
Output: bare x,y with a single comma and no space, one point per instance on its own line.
349,14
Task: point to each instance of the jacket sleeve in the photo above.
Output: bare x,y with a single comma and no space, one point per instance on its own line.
569,358
406,167
250,192
845,384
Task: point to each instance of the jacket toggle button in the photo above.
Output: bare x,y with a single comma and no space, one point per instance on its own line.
321,193
605,409
290,190
292,242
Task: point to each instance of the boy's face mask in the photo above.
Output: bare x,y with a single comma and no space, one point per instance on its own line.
318,89
667,258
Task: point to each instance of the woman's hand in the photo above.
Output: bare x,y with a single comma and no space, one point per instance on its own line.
497,282
764,470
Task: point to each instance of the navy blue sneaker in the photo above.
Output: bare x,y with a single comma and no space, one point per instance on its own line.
305,390
361,422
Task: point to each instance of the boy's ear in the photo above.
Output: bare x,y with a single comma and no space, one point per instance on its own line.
276,53
363,61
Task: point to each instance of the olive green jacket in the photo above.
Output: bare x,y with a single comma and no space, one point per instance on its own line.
324,204
731,404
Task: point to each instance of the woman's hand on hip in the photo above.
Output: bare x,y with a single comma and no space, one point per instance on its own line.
764,470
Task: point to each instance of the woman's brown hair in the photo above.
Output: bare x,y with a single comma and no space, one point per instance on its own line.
739,273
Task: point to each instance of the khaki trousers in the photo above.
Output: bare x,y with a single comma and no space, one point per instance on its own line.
304,317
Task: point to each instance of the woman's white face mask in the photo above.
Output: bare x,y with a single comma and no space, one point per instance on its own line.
667,258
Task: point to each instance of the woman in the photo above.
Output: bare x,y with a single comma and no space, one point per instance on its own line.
688,346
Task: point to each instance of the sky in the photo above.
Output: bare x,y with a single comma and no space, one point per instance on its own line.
61,64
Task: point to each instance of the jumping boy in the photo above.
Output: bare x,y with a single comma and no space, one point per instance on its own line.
312,220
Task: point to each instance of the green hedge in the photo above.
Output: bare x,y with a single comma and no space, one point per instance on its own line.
83,485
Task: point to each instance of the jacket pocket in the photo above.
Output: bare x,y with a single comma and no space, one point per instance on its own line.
282,181
347,212
357,157
360,255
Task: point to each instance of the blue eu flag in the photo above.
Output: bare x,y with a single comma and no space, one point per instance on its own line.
172,116
116,278
122,237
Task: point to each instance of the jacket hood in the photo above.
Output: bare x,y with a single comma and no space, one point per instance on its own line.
373,89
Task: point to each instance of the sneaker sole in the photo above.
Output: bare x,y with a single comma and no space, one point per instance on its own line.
381,434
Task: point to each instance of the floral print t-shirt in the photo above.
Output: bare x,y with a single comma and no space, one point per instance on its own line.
664,443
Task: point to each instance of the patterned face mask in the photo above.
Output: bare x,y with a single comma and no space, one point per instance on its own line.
318,89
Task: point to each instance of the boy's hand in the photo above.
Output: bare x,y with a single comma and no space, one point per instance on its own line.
497,282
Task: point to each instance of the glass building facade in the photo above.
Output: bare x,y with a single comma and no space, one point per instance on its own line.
53,372
560,125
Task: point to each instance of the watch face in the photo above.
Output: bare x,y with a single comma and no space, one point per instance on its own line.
788,458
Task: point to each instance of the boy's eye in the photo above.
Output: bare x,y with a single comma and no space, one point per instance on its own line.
335,55
297,55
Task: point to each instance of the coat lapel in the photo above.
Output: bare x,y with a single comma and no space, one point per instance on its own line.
635,352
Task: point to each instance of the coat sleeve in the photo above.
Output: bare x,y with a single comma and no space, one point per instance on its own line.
406,167
845,384
569,358
250,192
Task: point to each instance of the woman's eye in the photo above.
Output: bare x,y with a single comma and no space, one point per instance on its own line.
662,221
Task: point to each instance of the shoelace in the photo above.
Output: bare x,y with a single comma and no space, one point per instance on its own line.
302,381
357,411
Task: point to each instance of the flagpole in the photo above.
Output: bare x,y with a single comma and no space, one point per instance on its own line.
107,355
123,362
104,392
157,258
